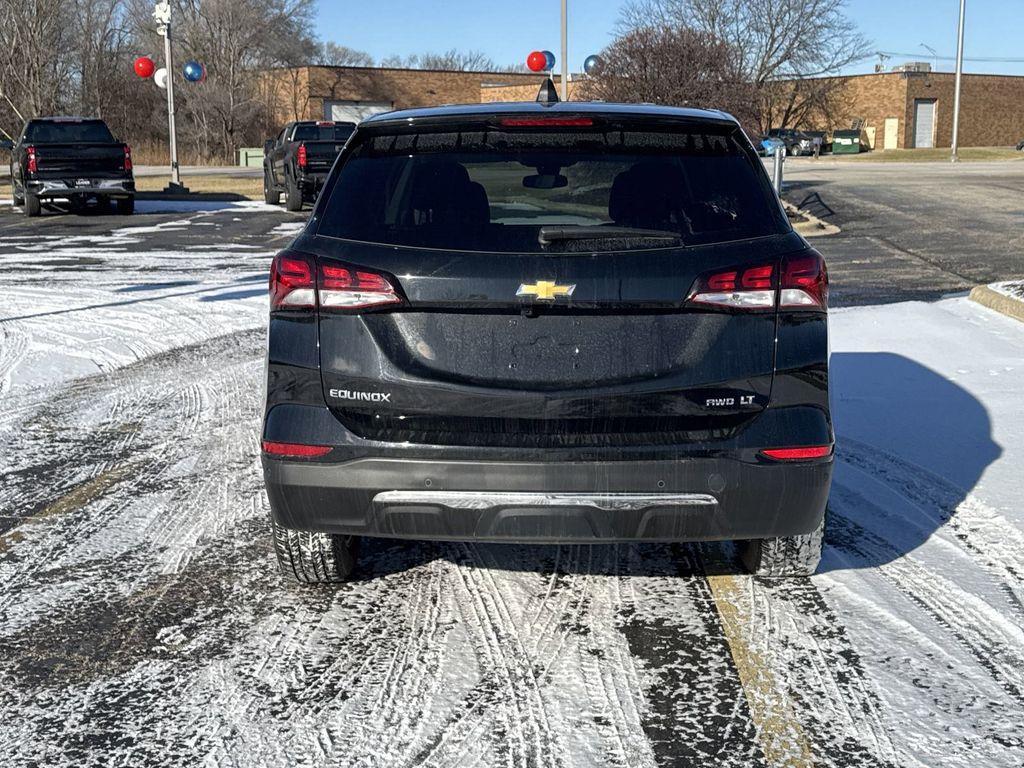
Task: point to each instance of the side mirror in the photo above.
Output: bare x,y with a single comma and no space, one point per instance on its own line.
6,144
268,146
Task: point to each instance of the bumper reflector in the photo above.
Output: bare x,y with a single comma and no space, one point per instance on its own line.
295,450
797,454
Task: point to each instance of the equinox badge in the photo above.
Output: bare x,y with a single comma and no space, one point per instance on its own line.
545,290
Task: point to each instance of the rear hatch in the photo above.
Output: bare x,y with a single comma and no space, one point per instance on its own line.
549,284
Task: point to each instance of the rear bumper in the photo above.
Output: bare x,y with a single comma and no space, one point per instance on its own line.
680,499
50,188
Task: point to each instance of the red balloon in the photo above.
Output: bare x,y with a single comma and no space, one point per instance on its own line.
537,61
144,66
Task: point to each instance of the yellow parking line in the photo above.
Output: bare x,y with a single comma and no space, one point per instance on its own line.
782,739
77,497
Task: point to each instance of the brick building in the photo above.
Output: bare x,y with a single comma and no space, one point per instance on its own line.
352,93
915,109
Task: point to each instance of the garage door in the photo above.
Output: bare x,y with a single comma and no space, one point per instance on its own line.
924,123
354,111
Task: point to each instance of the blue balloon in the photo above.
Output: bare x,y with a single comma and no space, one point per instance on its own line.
194,71
591,64
549,60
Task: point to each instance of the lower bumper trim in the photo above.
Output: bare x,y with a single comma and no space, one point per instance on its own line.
480,500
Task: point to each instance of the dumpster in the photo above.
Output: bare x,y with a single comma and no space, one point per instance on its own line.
846,142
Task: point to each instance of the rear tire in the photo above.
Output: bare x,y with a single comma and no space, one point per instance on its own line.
314,558
32,205
294,201
786,556
270,195
124,206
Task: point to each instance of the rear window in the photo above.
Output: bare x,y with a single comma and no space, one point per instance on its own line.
339,133
543,190
69,132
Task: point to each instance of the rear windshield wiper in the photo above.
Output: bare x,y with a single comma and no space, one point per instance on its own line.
581,232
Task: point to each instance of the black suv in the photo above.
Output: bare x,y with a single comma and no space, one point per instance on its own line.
547,323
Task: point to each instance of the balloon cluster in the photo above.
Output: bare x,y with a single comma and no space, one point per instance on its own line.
540,61
144,67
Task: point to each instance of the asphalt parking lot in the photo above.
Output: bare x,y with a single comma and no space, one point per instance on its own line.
143,621
909,230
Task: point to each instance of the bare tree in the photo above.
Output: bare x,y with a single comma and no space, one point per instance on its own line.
35,74
334,55
454,59
705,72
774,39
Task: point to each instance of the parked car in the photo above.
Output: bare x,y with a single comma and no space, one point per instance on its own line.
568,322
797,142
768,146
296,163
1020,145
72,158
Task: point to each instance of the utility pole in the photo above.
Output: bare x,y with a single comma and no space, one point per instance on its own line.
565,50
162,14
959,76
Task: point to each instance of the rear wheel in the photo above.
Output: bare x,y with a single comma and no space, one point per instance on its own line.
294,201
786,556
125,206
270,195
312,557
32,205
794,151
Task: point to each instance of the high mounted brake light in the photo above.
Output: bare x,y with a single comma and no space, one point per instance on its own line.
297,283
546,122
31,164
301,157
802,283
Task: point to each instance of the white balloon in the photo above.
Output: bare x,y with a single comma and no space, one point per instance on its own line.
160,77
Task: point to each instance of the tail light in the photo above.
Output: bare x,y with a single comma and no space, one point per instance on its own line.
344,288
127,158
801,283
798,454
746,288
804,282
32,164
301,156
296,282
292,281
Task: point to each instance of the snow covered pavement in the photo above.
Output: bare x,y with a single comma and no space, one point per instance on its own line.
143,621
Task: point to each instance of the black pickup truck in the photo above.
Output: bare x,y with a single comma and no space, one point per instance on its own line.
72,158
298,160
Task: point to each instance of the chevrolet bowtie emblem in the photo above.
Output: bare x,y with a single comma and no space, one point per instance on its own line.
545,290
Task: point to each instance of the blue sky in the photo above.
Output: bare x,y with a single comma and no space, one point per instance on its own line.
508,31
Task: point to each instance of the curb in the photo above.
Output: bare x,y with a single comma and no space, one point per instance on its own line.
206,197
1000,302
811,226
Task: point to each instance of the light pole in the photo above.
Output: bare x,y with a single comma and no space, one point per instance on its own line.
565,50
162,14
959,76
